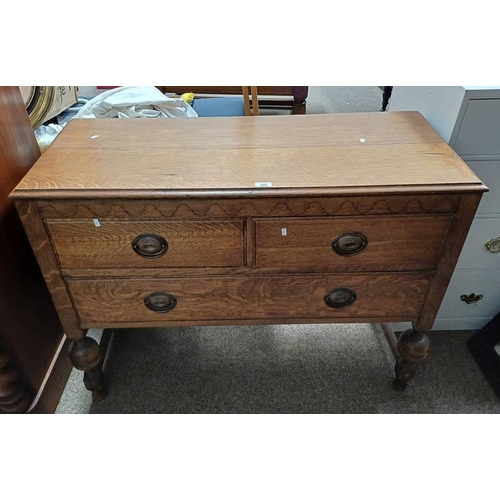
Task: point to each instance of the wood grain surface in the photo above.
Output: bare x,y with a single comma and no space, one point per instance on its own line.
113,301
458,233
233,154
82,244
393,243
183,208
44,253
238,253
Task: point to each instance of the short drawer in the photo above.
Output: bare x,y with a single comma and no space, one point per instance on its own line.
111,302
392,243
113,244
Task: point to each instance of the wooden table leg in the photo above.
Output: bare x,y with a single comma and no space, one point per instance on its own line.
411,347
85,355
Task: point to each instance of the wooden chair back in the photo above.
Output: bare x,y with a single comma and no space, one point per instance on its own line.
255,100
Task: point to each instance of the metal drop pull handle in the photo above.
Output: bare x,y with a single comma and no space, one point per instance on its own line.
160,302
340,298
150,246
348,244
471,298
493,245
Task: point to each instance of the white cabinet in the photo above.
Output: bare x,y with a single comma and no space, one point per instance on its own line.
468,118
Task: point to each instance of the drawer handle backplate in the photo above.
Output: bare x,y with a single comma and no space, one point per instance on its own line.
150,246
160,302
471,299
340,298
493,245
348,244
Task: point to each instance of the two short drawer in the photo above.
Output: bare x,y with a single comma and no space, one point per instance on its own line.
135,244
115,302
315,244
351,244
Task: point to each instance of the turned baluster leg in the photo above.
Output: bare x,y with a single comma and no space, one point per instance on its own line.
14,398
86,356
412,347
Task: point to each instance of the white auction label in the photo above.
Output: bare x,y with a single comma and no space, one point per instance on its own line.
263,184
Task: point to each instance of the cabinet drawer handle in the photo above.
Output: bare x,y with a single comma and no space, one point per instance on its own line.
471,299
493,245
340,298
160,302
348,244
150,246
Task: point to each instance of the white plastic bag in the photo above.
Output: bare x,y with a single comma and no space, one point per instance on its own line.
45,135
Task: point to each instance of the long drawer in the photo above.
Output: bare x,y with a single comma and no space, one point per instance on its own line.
348,244
116,244
116,301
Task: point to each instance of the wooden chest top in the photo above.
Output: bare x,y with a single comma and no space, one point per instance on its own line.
361,153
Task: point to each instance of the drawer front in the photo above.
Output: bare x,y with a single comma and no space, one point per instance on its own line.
485,284
115,244
114,301
479,132
351,243
489,173
482,247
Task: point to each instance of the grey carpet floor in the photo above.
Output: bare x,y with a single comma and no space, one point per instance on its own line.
344,368
281,369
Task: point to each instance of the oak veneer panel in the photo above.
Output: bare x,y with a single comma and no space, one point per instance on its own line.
249,207
115,301
81,244
453,246
47,261
272,132
232,154
393,243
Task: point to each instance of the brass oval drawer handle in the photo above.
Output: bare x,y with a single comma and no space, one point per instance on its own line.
160,302
493,245
348,244
150,246
471,299
340,298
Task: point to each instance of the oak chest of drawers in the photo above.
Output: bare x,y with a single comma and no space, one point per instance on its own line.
273,219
